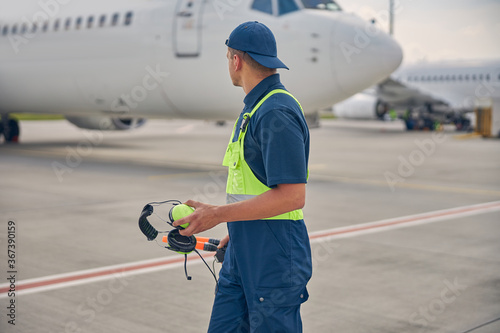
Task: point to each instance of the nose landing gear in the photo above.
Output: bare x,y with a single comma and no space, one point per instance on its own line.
9,129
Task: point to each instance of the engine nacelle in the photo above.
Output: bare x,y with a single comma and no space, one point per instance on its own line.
361,106
106,123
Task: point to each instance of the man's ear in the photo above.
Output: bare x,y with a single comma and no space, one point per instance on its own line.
238,62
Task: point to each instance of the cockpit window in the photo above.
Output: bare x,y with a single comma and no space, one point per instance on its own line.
321,4
268,6
263,6
286,6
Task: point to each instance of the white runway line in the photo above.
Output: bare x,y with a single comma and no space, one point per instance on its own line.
405,221
53,282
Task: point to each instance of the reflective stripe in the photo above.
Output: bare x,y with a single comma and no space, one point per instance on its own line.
293,215
232,198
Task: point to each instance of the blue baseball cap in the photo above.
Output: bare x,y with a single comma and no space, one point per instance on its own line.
258,41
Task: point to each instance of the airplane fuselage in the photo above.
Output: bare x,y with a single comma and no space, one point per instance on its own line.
157,58
460,84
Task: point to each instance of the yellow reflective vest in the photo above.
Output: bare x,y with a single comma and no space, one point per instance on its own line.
241,181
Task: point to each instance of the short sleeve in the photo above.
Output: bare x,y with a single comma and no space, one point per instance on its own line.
281,145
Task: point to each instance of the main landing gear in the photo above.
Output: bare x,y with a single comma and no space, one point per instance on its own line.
9,129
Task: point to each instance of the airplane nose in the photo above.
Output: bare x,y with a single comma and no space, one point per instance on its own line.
361,48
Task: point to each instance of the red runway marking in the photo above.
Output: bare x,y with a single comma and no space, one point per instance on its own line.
91,275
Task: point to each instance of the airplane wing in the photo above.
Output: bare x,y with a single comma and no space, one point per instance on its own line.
390,94
400,95
391,99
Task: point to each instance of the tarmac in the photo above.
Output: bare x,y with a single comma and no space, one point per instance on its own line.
404,228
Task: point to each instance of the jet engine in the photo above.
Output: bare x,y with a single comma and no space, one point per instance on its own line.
361,106
106,123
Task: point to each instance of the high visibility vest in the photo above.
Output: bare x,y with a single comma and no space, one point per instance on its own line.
241,181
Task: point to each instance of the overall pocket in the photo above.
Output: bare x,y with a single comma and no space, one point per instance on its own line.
232,161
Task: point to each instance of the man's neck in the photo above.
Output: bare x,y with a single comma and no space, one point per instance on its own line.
252,81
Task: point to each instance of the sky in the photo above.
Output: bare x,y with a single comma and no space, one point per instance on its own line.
433,30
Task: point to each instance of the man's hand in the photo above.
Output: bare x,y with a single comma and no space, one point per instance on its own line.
203,218
223,242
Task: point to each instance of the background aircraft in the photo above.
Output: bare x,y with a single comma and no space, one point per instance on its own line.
108,65
429,92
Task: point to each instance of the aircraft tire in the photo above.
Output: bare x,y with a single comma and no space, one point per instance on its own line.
11,133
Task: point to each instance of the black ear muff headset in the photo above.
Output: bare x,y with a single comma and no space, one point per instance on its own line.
175,241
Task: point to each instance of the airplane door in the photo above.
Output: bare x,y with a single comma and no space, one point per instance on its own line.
187,24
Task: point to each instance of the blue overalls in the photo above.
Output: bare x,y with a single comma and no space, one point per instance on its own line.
267,265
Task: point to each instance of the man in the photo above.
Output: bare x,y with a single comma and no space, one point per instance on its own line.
267,265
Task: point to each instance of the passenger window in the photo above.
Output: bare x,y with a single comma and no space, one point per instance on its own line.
67,25
56,25
79,21
5,30
115,19
34,28
45,26
24,29
487,77
90,22
14,29
265,6
102,21
128,18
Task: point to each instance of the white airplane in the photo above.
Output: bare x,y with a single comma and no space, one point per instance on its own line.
109,64
439,91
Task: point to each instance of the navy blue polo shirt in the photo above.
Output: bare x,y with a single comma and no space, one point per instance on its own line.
277,139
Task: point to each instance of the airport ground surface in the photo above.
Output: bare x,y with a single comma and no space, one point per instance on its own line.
75,197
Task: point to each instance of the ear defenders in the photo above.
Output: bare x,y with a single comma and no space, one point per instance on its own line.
178,212
176,242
